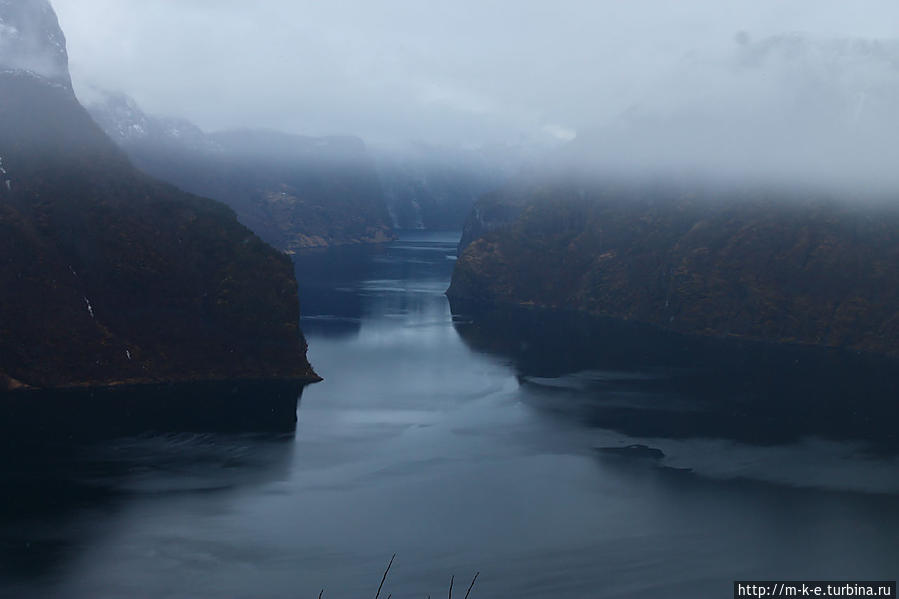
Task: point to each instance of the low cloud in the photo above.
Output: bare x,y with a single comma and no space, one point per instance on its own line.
803,88
30,39
793,108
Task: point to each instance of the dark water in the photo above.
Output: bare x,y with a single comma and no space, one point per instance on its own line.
469,444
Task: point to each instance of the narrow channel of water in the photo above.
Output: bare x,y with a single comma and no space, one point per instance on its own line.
475,444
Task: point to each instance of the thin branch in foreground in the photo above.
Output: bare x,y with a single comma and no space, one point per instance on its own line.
451,586
472,584
320,594
383,578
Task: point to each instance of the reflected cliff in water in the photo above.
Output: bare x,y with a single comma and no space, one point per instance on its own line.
77,464
35,418
330,300
644,382
56,507
470,444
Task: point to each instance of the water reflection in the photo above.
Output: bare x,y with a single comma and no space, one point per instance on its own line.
72,461
42,418
329,278
465,447
342,286
648,383
57,507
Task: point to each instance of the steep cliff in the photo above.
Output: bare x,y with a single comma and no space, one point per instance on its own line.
777,267
295,192
434,187
31,40
492,212
106,275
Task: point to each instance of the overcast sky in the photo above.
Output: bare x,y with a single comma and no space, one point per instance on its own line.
465,71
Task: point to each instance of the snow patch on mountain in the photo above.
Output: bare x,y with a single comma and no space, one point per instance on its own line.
32,41
126,123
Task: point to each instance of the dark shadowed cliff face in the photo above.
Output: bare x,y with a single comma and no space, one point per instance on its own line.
295,192
109,276
496,210
756,266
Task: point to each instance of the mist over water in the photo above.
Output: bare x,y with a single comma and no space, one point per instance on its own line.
463,450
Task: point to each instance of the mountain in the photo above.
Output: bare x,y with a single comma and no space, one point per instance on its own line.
766,265
31,40
108,276
751,196
295,192
435,187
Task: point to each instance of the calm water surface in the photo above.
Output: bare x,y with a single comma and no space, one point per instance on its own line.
470,444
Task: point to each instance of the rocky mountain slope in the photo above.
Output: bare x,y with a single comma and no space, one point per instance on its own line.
771,266
295,192
108,276
31,40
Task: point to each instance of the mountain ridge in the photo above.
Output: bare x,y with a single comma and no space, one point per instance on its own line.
109,276
296,192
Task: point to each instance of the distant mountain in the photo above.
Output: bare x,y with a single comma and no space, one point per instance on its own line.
125,123
295,192
434,187
108,276
774,266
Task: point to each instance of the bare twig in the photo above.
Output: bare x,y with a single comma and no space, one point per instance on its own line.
472,584
451,586
320,594
383,578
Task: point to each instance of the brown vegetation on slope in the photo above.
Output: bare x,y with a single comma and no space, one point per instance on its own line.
757,266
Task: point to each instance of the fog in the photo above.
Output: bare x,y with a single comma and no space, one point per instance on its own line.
30,41
791,109
804,88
